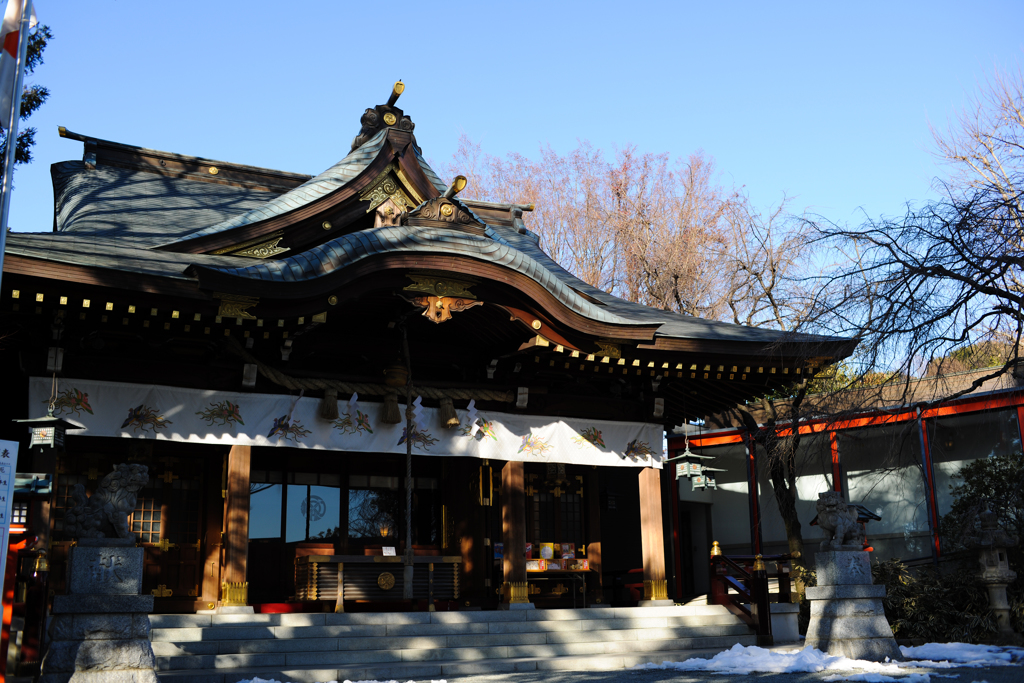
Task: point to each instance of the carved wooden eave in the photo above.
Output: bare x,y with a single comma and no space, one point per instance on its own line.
394,174
391,184
442,212
257,248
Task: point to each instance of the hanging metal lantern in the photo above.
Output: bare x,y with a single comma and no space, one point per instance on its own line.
48,432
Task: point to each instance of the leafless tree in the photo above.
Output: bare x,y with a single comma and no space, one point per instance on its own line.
945,281
667,235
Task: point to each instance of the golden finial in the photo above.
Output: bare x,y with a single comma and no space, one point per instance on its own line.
396,92
758,563
457,186
715,549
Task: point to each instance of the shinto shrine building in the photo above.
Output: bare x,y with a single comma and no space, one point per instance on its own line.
253,337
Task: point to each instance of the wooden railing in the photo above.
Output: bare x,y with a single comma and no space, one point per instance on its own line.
741,580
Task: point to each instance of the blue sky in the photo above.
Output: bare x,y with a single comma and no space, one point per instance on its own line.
829,103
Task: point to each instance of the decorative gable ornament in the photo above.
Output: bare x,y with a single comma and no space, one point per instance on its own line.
384,116
445,211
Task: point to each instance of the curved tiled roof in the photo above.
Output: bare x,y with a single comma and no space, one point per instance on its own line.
334,178
116,202
354,247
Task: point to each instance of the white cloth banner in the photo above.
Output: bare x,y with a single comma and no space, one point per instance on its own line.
139,411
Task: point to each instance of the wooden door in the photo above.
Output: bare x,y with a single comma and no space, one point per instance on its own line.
168,523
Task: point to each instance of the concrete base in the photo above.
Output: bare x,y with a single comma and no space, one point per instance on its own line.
99,632
847,617
785,622
655,603
517,605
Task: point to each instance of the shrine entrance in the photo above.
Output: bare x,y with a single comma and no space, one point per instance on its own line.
333,503
168,520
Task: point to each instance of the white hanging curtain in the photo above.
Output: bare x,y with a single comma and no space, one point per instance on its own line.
115,409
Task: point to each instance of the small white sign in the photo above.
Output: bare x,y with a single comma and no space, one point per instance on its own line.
8,466
389,551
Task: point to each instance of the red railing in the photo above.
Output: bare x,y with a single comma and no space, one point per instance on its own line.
747,578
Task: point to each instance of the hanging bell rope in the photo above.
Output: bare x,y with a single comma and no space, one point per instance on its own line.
449,418
391,414
329,405
364,388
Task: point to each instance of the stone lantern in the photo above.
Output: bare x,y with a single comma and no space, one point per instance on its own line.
991,542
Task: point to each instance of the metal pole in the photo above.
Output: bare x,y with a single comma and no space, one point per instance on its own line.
752,498
12,134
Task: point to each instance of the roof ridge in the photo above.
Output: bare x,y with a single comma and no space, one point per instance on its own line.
184,158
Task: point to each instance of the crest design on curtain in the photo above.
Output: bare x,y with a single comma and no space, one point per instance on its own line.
222,413
638,449
348,426
591,435
72,399
534,445
419,439
290,430
143,417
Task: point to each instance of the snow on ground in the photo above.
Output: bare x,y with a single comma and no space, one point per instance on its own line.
965,654
271,680
745,660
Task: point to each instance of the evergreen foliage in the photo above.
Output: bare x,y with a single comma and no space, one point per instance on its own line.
951,604
33,96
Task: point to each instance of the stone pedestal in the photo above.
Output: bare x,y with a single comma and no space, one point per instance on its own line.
847,617
100,630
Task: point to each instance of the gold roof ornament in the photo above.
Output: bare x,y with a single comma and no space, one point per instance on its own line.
457,186
396,92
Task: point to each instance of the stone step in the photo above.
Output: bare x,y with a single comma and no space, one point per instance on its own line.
301,628
319,673
328,641
468,652
396,618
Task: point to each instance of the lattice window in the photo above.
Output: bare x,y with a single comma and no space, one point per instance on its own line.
571,519
19,513
62,501
541,518
146,521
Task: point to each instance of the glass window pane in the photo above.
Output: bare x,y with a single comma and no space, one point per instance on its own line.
884,474
265,511
323,511
295,521
956,440
729,507
373,513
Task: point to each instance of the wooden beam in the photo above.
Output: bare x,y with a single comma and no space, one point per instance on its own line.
593,500
651,535
513,522
236,518
212,525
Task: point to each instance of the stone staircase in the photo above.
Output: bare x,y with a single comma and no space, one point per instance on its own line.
310,648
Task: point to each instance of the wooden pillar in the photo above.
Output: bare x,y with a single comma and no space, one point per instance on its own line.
513,533
593,500
213,522
652,535
236,522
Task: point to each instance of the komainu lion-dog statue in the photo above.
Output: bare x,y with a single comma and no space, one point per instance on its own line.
105,514
839,522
